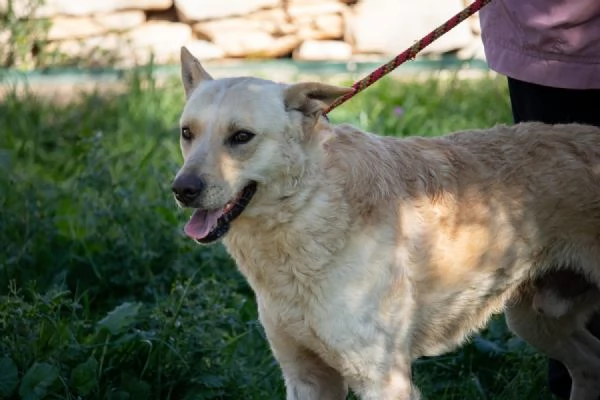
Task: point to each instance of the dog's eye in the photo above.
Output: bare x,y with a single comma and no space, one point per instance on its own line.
186,134
241,137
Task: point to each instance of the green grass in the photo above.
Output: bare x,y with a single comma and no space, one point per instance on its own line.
101,295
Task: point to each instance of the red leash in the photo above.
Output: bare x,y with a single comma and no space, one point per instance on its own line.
409,53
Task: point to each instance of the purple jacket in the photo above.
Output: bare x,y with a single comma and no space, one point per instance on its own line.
548,42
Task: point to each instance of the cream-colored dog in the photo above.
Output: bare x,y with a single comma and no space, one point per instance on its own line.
367,252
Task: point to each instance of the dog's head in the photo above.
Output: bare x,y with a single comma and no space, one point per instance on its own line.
242,139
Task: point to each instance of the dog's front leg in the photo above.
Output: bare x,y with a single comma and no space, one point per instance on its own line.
306,375
391,384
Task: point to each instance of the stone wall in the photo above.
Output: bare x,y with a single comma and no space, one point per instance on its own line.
123,33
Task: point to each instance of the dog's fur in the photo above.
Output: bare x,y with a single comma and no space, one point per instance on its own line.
367,252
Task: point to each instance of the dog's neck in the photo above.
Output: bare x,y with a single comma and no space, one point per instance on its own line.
309,203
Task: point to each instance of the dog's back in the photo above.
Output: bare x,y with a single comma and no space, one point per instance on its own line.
489,210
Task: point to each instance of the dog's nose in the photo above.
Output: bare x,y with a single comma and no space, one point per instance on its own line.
187,188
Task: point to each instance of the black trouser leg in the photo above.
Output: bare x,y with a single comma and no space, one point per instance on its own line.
531,102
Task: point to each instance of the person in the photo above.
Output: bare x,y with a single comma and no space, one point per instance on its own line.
549,50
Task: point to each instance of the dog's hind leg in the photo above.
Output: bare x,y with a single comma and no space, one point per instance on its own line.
584,349
565,339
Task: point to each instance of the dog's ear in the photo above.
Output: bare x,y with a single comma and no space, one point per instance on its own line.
192,72
312,98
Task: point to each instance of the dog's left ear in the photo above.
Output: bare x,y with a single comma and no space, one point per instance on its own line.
192,72
312,98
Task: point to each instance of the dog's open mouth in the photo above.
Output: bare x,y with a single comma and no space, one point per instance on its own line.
206,226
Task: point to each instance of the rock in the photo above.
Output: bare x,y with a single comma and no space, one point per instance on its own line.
317,19
255,43
108,49
63,28
257,32
316,50
5,37
161,38
390,26
51,8
273,22
281,46
327,26
5,46
134,48
250,37
73,28
121,21
240,43
473,20
162,15
200,10
297,9
204,50
474,50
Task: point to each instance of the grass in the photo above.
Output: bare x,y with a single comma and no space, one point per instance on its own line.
102,297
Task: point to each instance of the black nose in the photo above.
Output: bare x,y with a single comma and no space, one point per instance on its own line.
187,188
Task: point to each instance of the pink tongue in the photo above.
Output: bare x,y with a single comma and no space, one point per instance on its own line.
201,223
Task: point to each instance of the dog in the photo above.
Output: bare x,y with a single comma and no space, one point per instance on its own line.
367,252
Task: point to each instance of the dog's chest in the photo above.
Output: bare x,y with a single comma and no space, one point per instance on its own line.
291,282
325,300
